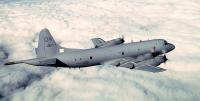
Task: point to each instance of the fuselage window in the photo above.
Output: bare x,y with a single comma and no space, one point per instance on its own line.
90,57
80,58
122,53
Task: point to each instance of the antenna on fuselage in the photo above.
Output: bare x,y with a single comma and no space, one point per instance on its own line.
131,39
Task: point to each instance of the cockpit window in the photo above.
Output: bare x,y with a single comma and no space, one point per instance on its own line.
165,42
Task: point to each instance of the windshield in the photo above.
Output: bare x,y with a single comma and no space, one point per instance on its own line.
165,42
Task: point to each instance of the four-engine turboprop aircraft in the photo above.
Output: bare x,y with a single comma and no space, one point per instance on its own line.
143,55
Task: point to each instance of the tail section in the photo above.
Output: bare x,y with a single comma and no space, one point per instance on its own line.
47,46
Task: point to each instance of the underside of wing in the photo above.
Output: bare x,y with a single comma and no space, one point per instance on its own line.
150,68
149,65
118,62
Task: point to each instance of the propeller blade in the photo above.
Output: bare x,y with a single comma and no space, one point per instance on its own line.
165,58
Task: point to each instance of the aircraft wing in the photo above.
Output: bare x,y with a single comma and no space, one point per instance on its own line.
129,62
118,62
150,68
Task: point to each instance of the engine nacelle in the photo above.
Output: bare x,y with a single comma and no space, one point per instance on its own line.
153,62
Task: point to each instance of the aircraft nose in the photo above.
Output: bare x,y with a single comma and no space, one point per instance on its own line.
170,47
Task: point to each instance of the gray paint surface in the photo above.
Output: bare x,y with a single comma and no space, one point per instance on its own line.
143,55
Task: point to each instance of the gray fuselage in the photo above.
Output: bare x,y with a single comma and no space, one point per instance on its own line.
97,56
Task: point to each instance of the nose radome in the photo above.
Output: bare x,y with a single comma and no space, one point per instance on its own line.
172,46
169,47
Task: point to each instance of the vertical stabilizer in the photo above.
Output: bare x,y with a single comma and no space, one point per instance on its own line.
47,46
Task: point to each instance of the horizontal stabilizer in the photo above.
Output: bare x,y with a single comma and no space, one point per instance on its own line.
29,61
12,63
54,62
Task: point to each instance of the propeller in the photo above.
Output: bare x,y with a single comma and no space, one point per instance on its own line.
165,57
